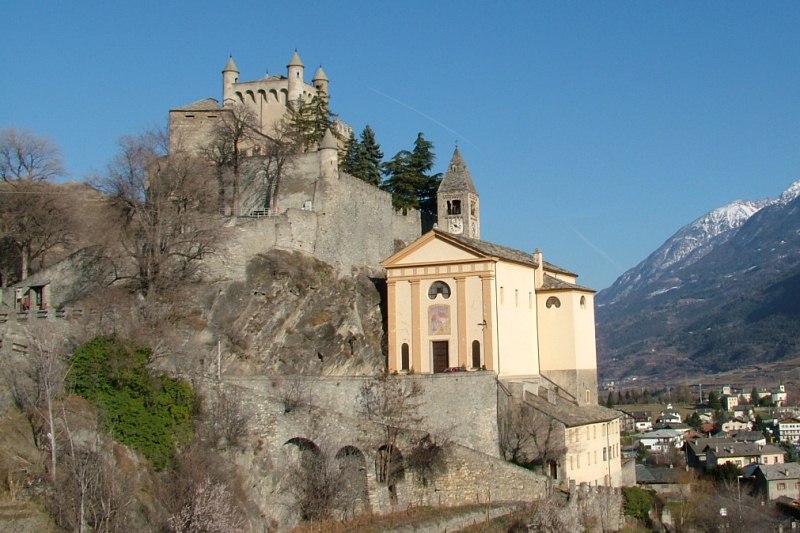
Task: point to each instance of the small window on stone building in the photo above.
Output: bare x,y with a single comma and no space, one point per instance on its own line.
781,486
404,357
587,395
605,458
476,354
453,207
553,302
583,302
437,288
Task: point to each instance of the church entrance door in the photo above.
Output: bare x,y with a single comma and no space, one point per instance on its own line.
441,356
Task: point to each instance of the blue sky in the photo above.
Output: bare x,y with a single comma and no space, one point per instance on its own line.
593,130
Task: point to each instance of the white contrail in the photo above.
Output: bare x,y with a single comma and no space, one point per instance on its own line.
596,249
415,110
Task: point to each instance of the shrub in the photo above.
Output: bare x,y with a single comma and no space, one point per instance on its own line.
152,414
638,503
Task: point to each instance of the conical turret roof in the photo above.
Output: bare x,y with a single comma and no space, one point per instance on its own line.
328,141
230,66
295,61
320,75
457,178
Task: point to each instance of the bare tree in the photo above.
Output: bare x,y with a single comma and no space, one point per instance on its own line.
209,508
164,204
530,437
245,157
24,156
90,493
35,218
393,402
200,494
39,384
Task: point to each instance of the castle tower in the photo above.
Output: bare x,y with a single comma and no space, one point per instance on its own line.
457,200
230,77
329,156
320,81
295,78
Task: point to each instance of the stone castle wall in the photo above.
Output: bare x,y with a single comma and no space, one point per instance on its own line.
472,472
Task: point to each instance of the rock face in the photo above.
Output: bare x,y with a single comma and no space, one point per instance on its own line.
293,314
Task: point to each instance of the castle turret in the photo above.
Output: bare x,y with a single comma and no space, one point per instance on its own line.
320,81
329,156
230,77
457,200
295,75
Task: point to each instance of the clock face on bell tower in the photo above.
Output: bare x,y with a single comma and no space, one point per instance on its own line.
456,225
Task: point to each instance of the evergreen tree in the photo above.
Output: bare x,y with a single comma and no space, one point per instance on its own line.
348,160
308,120
754,396
713,401
370,157
408,180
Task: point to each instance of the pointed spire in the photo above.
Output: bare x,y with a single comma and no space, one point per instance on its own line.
295,61
230,66
320,75
328,141
457,178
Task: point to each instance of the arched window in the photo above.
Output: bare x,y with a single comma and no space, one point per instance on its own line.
404,357
583,302
476,354
553,302
437,288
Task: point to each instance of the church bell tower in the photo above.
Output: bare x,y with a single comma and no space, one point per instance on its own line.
457,200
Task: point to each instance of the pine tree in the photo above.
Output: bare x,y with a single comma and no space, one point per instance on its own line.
370,157
349,158
308,120
408,180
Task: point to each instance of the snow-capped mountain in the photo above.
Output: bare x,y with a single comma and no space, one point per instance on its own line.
688,245
723,289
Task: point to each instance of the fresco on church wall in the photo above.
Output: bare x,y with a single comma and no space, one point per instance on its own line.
439,319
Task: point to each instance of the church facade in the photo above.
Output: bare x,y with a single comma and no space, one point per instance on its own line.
457,302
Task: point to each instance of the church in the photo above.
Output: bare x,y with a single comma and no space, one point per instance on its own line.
457,302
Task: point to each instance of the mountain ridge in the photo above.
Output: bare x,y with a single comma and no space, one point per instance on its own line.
721,290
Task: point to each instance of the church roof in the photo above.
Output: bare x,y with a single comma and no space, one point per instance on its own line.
503,252
457,178
569,414
206,104
295,61
230,65
320,75
555,284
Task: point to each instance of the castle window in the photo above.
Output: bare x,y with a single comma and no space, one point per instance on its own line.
553,301
404,357
605,458
472,208
454,207
583,302
587,395
476,354
437,288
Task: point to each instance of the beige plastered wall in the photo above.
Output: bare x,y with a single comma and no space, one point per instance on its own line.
584,462
516,320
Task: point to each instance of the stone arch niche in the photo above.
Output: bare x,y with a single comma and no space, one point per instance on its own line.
304,452
353,478
305,475
389,469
